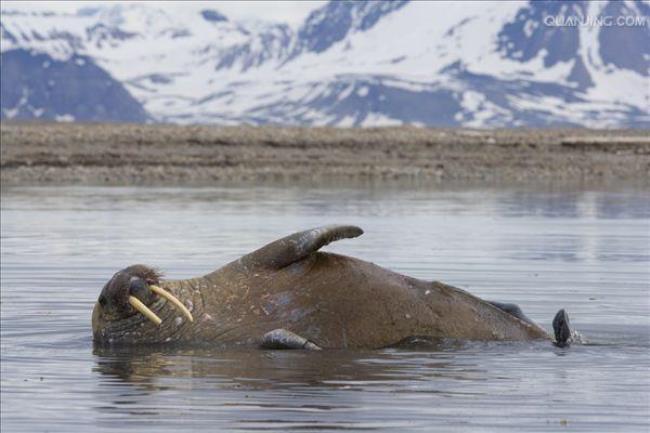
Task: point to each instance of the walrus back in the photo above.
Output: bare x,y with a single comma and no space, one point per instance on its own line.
340,301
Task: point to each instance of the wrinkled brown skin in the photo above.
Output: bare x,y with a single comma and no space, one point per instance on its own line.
332,300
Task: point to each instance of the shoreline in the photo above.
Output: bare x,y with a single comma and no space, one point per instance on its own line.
39,154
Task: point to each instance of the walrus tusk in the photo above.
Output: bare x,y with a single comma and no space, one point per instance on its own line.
171,298
146,312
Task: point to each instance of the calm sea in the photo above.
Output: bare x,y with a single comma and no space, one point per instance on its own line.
583,250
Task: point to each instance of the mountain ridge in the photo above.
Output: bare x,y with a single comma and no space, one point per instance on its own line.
353,64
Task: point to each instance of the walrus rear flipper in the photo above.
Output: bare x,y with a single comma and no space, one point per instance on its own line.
562,329
297,246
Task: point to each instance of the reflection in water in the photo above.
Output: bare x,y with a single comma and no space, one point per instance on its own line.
585,251
261,369
281,387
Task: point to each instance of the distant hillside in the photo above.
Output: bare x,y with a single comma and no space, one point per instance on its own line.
350,63
63,90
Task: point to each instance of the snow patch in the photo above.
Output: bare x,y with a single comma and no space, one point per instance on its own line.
64,118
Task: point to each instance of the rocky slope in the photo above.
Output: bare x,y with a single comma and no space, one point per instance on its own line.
349,64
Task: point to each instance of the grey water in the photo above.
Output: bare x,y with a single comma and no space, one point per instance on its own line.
587,251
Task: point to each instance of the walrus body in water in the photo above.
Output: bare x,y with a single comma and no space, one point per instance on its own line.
289,295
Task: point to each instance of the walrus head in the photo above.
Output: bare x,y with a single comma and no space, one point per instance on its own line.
129,297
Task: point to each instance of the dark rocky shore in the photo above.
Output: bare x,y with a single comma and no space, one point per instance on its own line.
130,154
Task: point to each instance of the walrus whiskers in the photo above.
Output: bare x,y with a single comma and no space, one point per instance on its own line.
171,298
146,312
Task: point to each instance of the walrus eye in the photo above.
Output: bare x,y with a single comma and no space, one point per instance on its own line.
102,300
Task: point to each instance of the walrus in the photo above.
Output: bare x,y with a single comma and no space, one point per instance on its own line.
290,295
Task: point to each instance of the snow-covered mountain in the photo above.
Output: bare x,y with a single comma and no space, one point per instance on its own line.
350,63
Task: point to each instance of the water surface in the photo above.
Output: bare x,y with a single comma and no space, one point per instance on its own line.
586,251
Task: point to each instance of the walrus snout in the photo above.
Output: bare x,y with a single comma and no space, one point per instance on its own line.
128,293
131,291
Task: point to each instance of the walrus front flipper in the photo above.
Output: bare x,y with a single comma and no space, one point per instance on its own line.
283,339
297,246
562,329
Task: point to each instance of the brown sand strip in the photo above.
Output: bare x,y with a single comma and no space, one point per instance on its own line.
125,154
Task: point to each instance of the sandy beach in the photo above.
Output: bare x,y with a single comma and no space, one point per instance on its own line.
132,154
